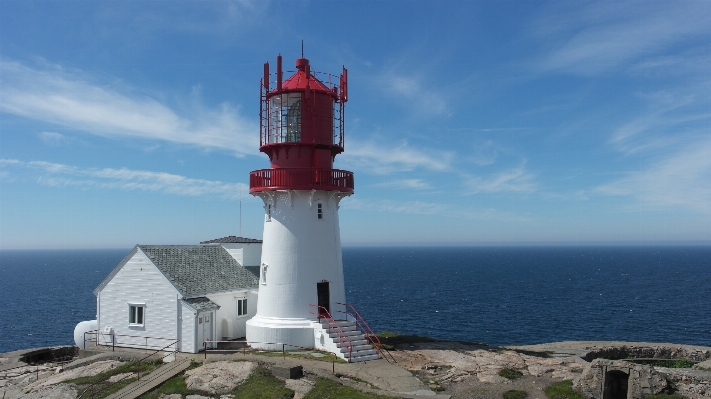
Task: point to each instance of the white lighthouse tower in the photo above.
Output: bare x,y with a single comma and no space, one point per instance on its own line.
301,279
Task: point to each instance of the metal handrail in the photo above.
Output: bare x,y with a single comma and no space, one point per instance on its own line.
137,363
342,337
246,343
9,373
367,331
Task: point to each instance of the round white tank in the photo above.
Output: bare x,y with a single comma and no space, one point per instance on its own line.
80,329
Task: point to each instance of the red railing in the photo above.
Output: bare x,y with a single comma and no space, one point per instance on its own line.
333,327
365,328
301,179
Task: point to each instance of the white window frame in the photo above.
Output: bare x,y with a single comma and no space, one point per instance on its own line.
319,211
269,213
136,314
263,274
242,307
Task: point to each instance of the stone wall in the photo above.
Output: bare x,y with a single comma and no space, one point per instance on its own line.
656,352
643,380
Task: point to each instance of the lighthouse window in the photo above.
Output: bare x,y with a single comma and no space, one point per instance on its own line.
285,118
135,315
319,210
269,212
263,274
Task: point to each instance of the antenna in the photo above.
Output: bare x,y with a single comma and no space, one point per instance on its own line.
240,211
302,48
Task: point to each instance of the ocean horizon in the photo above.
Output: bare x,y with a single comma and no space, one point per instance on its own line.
498,295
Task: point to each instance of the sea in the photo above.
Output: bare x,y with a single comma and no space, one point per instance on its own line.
493,295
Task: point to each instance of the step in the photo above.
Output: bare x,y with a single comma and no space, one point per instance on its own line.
347,334
356,359
354,342
355,349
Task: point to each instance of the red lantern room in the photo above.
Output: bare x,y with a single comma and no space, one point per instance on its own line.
301,130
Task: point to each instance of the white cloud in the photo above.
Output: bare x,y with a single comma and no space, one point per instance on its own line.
410,92
383,158
428,208
682,180
53,138
70,99
514,180
60,175
418,184
599,36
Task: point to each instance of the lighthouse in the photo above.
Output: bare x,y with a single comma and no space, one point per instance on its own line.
302,301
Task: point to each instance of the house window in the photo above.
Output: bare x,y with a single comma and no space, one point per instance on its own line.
136,315
241,307
269,212
263,274
319,210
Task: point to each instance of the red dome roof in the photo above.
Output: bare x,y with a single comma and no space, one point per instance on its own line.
302,77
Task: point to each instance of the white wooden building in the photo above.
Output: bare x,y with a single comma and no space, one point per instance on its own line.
191,293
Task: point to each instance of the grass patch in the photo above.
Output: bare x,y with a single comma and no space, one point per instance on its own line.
514,394
674,395
511,374
673,363
327,389
389,339
105,388
173,385
262,384
305,355
562,390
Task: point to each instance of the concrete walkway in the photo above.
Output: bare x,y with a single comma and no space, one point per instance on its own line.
152,380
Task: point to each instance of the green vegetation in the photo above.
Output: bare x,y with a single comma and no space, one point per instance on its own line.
674,395
301,355
173,385
389,339
562,390
514,394
674,363
511,374
105,388
262,384
327,389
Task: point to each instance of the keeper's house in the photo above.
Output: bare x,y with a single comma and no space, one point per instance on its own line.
192,293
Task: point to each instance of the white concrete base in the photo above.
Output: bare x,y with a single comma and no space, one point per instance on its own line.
272,334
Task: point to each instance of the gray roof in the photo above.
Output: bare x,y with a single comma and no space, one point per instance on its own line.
194,270
232,240
201,304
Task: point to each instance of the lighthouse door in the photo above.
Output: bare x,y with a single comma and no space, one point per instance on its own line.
324,297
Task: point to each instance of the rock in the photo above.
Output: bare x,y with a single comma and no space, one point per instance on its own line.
197,397
641,380
84,371
171,396
119,377
60,391
218,377
301,385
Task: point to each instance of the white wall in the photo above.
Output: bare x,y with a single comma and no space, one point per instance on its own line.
227,314
140,282
246,254
188,338
299,250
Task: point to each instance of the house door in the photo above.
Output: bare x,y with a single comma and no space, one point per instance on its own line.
324,297
207,328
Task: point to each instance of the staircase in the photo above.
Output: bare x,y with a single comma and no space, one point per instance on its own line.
343,338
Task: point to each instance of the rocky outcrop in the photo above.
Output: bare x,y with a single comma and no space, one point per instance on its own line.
218,377
616,376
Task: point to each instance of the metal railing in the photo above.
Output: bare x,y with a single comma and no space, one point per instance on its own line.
98,338
245,344
17,371
333,327
301,179
367,331
101,385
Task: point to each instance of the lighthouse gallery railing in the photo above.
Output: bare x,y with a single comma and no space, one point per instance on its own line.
301,179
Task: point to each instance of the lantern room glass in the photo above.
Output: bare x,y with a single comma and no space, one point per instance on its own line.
284,118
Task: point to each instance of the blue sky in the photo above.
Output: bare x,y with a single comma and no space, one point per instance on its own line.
468,123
